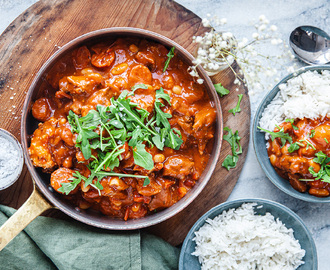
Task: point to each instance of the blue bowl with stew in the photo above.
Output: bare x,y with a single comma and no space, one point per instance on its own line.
278,211
260,148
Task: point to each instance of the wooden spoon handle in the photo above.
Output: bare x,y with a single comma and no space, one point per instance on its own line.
33,207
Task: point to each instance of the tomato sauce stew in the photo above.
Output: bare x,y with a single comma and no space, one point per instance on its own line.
124,129
304,161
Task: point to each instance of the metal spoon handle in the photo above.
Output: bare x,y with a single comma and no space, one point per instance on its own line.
33,207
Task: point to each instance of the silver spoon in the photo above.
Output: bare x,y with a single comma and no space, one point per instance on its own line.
311,45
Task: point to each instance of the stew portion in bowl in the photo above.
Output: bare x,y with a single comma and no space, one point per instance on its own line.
303,159
124,128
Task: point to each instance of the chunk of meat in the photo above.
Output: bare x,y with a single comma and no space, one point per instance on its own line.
42,109
103,58
322,135
178,166
151,189
163,199
39,149
77,85
60,176
145,98
140,74
52,145
203,119
146,58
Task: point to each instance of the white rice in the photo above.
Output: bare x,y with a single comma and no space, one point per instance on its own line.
307,95
239,239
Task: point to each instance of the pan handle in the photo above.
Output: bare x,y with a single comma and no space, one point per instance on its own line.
33,207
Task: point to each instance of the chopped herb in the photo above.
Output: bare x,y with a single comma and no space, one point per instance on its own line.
170,55
326,140
308,144
234,140
280,134
107,129
312,134
221,90
293,147
324,173
136,87
291,120
237,109
142,157
146,181
75,181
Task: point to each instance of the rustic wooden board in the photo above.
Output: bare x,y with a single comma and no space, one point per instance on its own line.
38,32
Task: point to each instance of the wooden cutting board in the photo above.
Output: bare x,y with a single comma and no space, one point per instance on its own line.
47,25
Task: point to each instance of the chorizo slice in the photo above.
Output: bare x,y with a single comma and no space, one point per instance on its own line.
60,176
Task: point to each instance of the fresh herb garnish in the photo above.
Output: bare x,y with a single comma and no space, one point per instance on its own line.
293,147
146,181
308,144
170,55
325,139
221,90
291,120
237,108
324,173
234,140
280,134
312,134
106,129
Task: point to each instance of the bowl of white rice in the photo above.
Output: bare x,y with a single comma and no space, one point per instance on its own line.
249,234
303,94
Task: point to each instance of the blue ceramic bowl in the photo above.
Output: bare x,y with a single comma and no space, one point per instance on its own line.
288,217
260,149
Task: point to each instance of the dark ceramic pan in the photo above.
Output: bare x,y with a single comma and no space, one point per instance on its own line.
29,124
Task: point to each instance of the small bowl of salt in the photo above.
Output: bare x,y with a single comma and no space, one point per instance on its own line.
11,159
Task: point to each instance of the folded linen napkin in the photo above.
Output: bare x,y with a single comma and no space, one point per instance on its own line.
48,243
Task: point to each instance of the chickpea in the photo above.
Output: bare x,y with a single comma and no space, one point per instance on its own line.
67,163
319,192
86,71
159,158
83,187
136,207
182,191
119,69
315,165
177,89
276,148
133,48
273,159
84,205
284,150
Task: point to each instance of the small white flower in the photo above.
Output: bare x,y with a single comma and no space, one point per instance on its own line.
212,55
206,22
262,27
223,21
223,44
255,35
290,69
211,50
200,81
227,35
262,18
199,39
273,41
273,28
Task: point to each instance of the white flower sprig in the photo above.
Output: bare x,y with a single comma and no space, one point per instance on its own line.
218,50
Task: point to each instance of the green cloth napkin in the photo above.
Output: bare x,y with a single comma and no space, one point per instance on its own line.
48,243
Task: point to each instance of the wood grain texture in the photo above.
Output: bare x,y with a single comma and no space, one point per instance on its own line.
38,32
